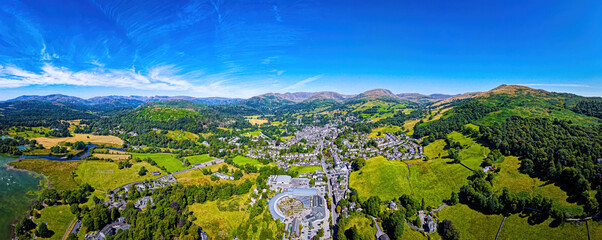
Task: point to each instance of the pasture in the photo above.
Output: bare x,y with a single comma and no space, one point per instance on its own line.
167,160
104,175
196,159
57,218
305,169
475,225
94,139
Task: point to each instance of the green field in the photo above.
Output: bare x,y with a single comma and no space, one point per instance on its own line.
59,173
381,177
196,159
306,169
515,181
383,130
364,225
472,153
475,225
104,175
243,160
218,224
167,160
180,135
57,218
41,132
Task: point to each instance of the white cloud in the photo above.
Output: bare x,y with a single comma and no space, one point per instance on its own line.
159,78
302,83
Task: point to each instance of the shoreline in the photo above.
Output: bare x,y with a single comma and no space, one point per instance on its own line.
38,189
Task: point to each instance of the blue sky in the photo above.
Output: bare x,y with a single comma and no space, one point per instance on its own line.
245,48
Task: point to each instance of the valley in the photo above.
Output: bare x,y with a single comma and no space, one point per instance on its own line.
370,165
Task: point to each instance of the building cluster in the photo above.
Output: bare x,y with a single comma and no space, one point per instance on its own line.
307,219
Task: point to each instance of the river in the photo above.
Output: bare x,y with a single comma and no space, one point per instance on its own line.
17,192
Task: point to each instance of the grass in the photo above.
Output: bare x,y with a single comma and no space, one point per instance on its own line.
180,135
112,156
306,169
381,177
242,160
199,159
218,224
364,225
104,175
433,180
383,130
167,160
196,177
95,139
472,153
255,120
515,181
475,225
252,134
29,133
57,172
57,218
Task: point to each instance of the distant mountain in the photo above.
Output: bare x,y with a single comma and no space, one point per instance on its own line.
326,95
378,93
421,98
123,101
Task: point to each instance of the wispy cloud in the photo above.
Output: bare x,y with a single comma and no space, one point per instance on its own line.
159,78
277,13
554,85
302,83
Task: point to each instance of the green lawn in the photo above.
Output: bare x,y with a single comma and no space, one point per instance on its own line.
196,159
57,172
104,175
475,225
243,160
306,169
167,160
41,132
57,218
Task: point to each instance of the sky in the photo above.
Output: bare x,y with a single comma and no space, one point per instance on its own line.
224,48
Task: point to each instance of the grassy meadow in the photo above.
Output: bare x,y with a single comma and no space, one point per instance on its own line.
475,225
57,218
94,139
104,175
167,160
196,159
59,173
305,169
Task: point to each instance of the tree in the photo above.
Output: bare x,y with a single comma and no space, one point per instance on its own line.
142,171
448,231
237,174
372,206
25,225
43,231
454,199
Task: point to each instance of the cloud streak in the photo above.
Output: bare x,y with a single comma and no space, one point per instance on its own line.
302,83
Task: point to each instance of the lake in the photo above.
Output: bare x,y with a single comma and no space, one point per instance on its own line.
16,194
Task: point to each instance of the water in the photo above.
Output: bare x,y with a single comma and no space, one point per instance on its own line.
16,195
